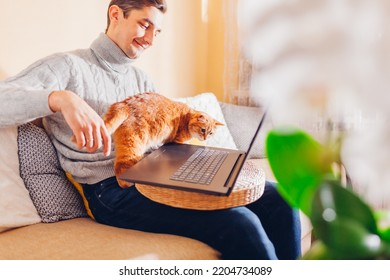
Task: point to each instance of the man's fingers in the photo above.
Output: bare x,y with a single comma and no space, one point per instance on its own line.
95,142
89,140
79,139
106,140
100,138
97,139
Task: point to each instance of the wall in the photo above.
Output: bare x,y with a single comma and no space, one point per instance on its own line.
34,29
187,57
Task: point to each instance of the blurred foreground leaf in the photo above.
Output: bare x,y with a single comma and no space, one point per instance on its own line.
319,251
345,226
299,164
332,201
383,221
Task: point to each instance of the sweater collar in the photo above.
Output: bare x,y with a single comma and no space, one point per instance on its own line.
110,54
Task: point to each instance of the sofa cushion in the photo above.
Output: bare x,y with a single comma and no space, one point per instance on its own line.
16,207
242,122
53,195
85,239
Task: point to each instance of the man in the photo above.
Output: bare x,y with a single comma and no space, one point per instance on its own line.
73,90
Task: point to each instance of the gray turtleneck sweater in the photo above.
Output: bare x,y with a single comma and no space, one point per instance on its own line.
101,75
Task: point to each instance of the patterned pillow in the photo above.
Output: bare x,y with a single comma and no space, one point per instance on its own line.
53,195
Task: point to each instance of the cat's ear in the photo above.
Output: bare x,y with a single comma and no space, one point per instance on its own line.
202,118
217,123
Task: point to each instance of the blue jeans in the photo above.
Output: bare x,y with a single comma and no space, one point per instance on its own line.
265,229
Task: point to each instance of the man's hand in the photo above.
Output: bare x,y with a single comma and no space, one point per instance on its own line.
88,127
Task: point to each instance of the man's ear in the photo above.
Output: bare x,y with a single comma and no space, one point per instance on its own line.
114,13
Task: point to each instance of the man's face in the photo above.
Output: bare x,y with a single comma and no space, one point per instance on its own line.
137,32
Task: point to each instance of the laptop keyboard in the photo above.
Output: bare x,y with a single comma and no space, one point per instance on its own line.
201,167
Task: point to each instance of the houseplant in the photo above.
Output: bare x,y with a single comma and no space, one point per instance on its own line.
344,226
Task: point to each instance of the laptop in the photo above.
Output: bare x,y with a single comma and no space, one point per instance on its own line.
172,166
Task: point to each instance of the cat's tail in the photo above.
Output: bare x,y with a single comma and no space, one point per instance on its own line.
115,116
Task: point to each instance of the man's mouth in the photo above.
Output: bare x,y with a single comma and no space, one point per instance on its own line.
140,45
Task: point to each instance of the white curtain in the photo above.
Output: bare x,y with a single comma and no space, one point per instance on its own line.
238,68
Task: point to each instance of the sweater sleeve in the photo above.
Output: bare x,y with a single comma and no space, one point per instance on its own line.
24,97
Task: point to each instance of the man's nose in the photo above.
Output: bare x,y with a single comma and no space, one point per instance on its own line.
149,37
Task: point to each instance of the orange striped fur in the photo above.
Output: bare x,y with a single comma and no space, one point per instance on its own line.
148,120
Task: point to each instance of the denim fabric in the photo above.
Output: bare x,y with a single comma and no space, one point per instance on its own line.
265,229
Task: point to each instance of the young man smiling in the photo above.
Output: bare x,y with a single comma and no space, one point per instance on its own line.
135,33
71,91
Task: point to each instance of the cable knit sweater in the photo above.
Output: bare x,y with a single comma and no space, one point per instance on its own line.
101,75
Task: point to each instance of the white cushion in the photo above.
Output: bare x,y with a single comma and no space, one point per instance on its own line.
16,206
208,103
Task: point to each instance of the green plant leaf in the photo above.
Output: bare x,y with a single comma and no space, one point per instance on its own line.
319,251
299,164
382,220
350,240
345,223
385,234
334,201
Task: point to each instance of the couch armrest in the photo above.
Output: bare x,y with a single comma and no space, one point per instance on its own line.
242,122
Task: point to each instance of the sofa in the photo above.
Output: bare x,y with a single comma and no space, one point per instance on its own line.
42,216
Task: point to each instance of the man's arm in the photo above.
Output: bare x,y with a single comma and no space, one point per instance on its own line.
24,97
35,93
20,105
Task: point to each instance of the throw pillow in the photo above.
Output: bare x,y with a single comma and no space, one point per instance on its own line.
242,122
208,103
16,207
53,195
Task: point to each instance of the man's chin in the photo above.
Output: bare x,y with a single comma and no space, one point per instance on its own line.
134,54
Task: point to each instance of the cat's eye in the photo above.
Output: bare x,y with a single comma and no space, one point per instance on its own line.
203,130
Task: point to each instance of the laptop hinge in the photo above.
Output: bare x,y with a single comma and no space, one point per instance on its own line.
231,180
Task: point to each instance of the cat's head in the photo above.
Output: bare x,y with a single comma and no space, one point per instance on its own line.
201,125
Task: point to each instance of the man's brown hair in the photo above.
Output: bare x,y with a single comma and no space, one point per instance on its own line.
128,5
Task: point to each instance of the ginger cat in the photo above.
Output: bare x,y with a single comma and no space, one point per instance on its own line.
148,120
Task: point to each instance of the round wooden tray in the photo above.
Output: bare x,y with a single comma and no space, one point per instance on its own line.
249,187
